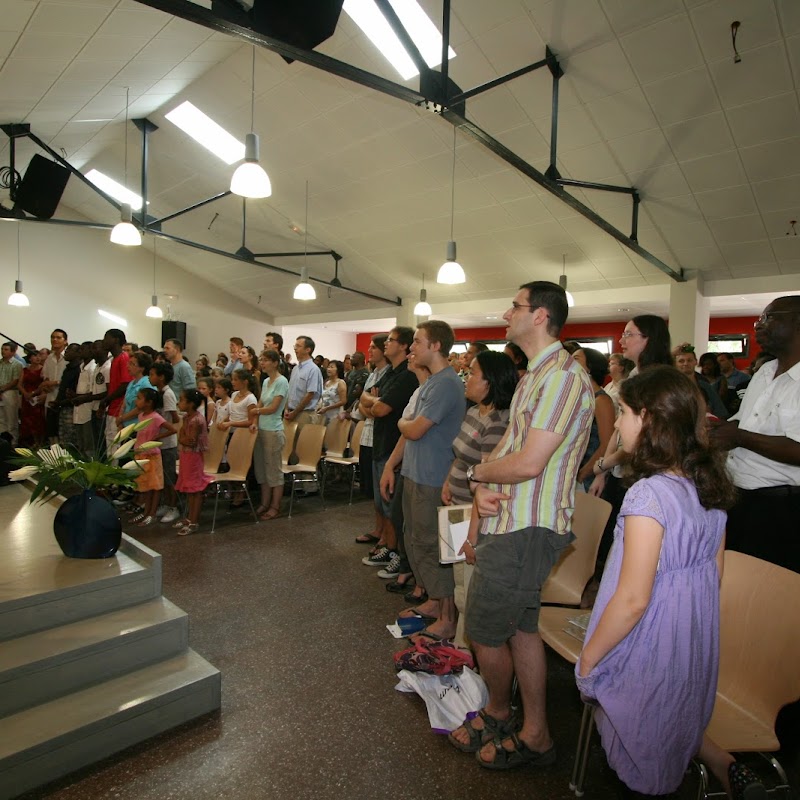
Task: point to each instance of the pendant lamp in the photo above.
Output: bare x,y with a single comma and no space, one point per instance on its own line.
18,298
125,232
304,290
423,308
451,271
562,281
154,312
250,179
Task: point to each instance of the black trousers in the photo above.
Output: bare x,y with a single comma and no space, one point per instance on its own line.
766,524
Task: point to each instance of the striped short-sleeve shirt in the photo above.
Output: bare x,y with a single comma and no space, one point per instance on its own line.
555,395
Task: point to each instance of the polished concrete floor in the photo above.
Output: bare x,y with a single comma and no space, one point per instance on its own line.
295,622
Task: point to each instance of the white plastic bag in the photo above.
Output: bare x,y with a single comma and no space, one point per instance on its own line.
450,698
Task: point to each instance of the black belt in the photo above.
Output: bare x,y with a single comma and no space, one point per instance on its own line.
774,491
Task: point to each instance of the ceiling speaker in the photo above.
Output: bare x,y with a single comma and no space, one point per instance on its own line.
39,192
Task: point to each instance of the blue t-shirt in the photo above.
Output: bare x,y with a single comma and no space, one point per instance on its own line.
441,400
183,378
277,386
306,377
133,389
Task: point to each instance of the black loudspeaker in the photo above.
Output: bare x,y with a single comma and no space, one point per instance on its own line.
172,329
40,191
303,23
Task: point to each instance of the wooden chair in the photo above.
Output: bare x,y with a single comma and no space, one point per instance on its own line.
349,461
240,457
337,435
569,577
758,659
216,448
309,453
290,435
565,586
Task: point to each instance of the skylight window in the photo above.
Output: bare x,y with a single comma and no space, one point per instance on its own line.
423,32
206,132
116,190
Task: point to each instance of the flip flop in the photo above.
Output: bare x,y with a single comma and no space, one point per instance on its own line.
414,613
366,538
410,597
520,756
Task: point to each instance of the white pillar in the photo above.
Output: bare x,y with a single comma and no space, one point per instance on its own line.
405,313
689,314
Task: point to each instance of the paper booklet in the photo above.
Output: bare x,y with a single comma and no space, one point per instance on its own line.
453,529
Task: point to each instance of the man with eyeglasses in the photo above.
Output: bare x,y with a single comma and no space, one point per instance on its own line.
763,438
525,492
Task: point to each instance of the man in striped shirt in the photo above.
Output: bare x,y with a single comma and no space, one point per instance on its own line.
525,493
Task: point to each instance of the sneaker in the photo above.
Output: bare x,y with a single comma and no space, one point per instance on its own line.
392,569
170,515
380,559
161,510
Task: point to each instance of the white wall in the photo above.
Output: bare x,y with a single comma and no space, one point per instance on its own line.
69,273
329,343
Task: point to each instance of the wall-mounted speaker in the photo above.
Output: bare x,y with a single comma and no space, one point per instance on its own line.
40,190
172,329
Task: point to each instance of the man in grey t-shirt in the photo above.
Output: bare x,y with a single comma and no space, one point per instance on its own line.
184,374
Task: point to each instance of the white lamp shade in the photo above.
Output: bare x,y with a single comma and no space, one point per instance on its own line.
124,231
18,298
451,271
570,300
249,178
423,308
304,291
154,311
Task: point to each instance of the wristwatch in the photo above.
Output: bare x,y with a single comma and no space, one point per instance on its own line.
471,474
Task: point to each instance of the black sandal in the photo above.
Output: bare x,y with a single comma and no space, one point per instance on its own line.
478,737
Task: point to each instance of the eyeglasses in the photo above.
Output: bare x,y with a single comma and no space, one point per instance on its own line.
391,339
518,306
628,334
768,315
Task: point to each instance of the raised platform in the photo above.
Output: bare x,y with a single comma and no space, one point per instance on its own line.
93,659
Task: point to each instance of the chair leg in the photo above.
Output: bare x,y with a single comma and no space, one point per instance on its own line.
216,503
582,750
249,500
321,486
291,497
784,780
352,483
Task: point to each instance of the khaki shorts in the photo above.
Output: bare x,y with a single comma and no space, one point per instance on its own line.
505,591
267,458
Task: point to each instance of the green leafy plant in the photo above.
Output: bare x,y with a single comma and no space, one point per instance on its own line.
57,468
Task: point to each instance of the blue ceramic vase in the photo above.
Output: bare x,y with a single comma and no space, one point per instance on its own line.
87,526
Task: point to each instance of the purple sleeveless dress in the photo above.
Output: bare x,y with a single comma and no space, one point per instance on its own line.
656,688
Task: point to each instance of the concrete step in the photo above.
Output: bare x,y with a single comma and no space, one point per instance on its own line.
43,666
40,588
48,741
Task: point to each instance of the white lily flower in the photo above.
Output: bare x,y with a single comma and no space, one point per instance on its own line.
121,451
135,464
60,452
148,446
142,424
22,473
24,451
124,433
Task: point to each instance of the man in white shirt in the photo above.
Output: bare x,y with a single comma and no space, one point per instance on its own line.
100,378
52,370
764,442
10,370
82,402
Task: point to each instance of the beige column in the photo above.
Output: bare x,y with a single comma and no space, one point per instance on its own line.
689,314
405,313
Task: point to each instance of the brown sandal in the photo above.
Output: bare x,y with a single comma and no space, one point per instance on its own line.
270,513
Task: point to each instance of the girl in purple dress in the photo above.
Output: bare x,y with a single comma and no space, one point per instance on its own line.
651,654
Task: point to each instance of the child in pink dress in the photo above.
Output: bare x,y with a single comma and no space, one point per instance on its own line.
192,443
151,481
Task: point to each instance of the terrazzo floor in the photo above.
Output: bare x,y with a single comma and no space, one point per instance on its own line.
296,624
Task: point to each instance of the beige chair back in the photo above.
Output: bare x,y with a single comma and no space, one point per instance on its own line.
290,434
240,454
337,433
309,448
355,440
759,665
216,447
569,577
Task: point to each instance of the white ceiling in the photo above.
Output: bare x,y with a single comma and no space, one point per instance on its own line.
651,98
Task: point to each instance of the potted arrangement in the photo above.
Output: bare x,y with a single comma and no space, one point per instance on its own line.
86,525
